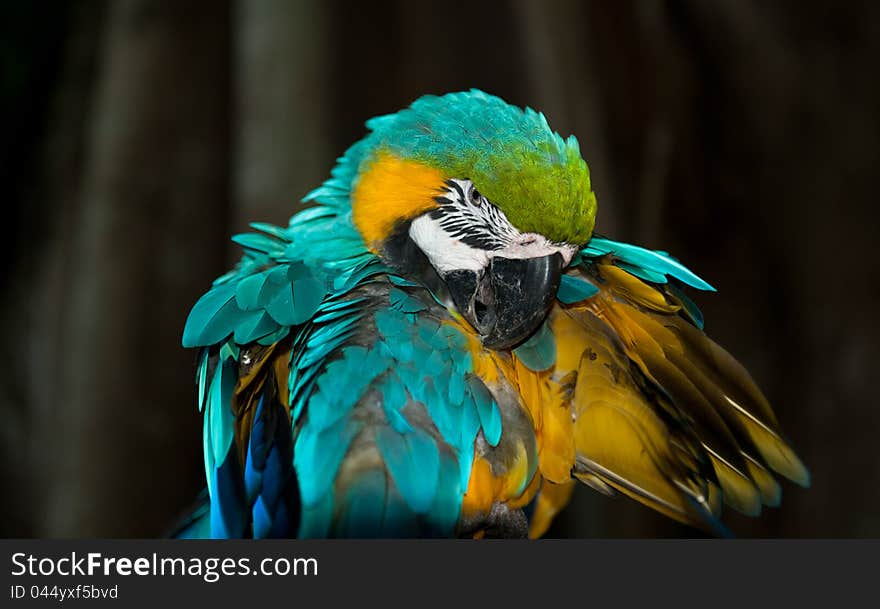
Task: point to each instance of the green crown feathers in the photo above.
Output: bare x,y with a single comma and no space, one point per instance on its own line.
537,178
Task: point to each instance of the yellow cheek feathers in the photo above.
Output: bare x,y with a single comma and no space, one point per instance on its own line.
390,190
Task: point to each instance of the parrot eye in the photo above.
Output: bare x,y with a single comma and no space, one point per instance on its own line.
476,198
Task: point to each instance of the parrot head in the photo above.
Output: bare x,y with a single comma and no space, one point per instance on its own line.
482,195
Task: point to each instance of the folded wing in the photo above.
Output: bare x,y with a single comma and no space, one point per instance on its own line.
659,411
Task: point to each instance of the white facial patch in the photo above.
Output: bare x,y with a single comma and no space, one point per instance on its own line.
445,252
467,231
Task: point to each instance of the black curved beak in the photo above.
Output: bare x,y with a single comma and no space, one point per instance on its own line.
507,302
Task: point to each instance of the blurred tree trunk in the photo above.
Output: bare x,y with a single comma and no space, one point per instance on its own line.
44,172
281,108
137,238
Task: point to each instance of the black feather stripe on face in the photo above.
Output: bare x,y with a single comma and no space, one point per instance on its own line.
466,215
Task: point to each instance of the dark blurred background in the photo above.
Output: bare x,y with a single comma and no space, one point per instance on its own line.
138,135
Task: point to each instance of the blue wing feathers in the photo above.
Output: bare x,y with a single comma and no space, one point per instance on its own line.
539,351
654,264
409,366
259,243
317,455
364,505
490,416
444,511
212,318
220,409
316,518
255,462
248,291
229,518
572,289
394,399
202,377
254,326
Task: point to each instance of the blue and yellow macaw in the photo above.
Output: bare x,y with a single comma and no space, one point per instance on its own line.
441,346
